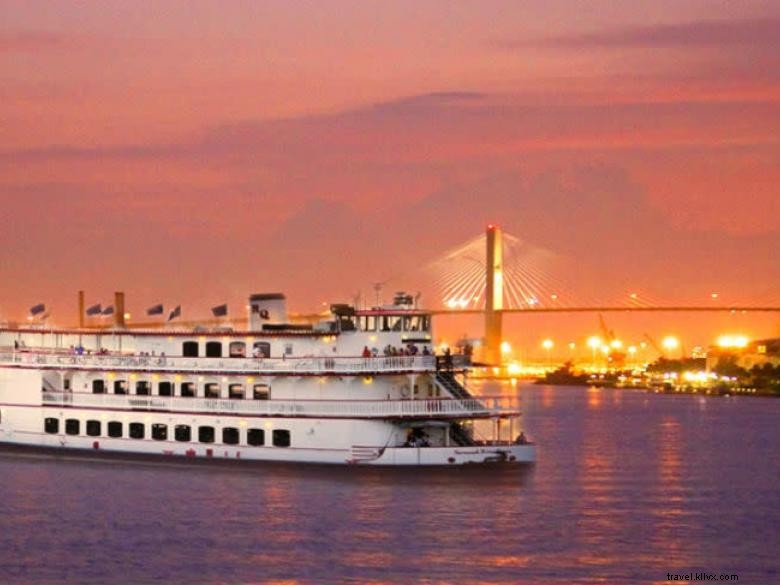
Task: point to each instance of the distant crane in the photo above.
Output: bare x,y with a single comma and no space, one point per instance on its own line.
616,356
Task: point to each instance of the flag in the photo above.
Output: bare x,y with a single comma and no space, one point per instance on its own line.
175,313
219,311
109,310
155,310
37,309
94,310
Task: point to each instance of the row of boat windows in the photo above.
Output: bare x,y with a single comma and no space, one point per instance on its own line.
236,349
159,432
415,323
185,389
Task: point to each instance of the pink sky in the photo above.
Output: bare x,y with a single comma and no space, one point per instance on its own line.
197,151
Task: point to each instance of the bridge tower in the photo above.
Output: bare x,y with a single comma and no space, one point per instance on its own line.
494,293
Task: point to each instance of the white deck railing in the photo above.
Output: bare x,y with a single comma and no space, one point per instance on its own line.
433,408
292,365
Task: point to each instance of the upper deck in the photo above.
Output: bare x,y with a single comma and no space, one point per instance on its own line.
41,358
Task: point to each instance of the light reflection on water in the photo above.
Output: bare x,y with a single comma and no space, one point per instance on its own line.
628,487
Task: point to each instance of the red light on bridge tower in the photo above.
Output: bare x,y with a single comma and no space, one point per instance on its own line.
494,293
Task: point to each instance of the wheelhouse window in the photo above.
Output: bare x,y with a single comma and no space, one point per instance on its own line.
230,436
206,434
281,438
120,387
255,437
136,430
93,428
165,389
160,432
214,349
143,388
72,426
188,389
98,386
189,349
237,349
416,323
261,349
51,425
236,391
368,323
261,392
211,390
114,429
182,433
391,323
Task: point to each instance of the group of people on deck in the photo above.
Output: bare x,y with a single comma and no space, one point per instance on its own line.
392,351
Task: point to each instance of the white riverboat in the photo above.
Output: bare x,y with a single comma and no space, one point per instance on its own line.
323,393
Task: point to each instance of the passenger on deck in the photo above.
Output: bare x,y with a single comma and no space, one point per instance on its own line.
366,352
426,351
521,440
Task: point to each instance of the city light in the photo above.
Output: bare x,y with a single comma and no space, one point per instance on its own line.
548,344
632,349
733,341
505,347
594,342
670,343
616,344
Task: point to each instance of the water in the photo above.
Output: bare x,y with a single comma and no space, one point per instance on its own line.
628,487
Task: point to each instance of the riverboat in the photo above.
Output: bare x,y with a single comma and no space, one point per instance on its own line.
360,387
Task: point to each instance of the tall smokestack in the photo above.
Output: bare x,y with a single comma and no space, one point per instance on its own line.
119,309
81,309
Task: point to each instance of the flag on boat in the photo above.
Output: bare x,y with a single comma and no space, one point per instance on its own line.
37,309
109,310
175,313
94,310
219,311
155,310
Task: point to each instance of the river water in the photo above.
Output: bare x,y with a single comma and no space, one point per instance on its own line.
628,487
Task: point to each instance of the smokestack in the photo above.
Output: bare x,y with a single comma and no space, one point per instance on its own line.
119,309
81,309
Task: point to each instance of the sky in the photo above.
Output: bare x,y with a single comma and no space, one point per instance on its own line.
195,152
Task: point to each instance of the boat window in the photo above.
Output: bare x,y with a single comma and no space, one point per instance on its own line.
230,436
236,391
159,432
188,389
182,433
165,389
426,323
189,349
72,426
212,390
51,425
115,429
255,437
136,431
391,323
262,392
368,323
288,349
98,386
262,349
214,349
414,323
206,434
281,438
120,387
93,428
237,349
142,388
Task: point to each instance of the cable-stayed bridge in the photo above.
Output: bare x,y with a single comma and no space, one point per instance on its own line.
496,274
